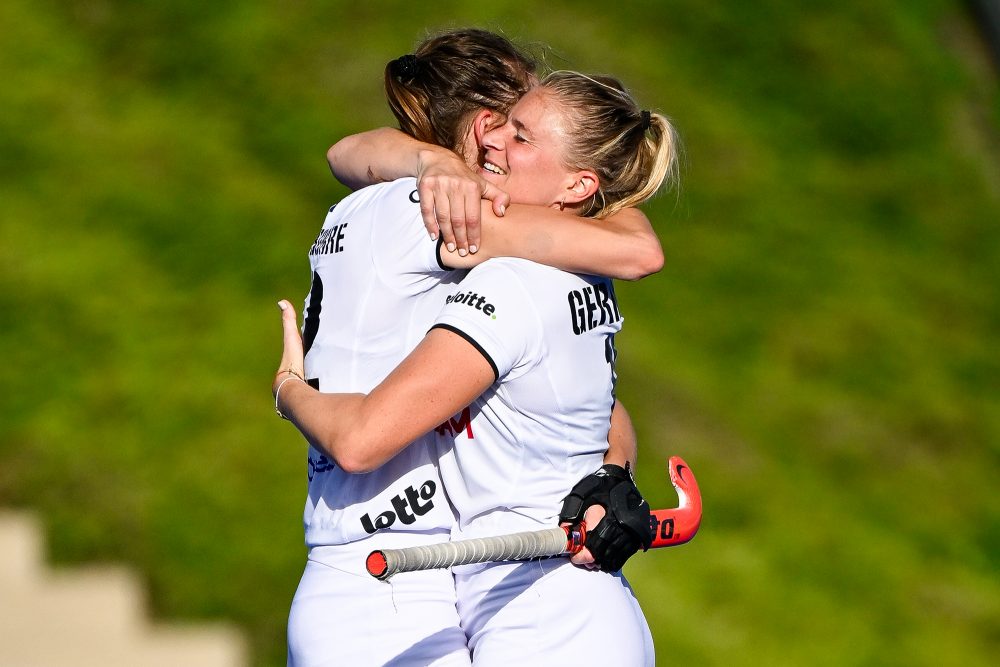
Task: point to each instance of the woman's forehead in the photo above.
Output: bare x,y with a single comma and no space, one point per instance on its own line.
539,111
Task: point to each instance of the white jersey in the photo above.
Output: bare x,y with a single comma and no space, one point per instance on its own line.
510,458
374,281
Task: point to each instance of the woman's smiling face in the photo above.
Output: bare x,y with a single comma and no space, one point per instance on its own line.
524,155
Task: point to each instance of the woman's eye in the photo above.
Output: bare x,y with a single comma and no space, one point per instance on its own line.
519,139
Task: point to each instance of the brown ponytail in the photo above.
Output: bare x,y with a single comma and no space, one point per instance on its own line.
434,91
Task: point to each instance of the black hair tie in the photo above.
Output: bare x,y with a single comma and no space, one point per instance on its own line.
407,67
646,118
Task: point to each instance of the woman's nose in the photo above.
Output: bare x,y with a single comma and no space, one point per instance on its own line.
494,139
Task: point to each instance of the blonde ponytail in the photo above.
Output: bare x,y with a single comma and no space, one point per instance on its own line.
634,152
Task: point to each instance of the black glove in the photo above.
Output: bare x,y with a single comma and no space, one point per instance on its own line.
623,529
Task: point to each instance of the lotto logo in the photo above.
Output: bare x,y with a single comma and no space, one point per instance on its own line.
406,507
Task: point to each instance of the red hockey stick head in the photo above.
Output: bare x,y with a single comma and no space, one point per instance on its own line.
671,527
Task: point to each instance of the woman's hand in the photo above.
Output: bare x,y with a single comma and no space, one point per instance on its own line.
615,514
450,199
292,356
583,557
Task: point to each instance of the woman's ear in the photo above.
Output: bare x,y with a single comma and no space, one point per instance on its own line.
483,122
584,185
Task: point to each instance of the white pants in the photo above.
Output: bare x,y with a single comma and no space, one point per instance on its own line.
341,615
551,612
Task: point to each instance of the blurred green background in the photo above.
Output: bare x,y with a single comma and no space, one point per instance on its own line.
821,347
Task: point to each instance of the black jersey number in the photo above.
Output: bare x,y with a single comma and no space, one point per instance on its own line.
310,323
611,354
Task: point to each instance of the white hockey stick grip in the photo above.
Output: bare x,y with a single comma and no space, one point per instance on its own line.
384,563
668,528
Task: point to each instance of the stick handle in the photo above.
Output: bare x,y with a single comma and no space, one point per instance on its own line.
384,563
668,527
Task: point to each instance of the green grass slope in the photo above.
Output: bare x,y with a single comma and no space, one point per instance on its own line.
821,346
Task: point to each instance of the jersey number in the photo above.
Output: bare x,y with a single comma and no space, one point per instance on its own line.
611,355
310,322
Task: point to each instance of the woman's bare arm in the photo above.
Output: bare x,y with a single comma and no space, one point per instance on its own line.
379,155
623,247
450,193
622,443
361,432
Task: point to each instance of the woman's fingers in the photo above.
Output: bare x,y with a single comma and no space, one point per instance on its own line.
292,354
450,204
592,517
499,198
427,211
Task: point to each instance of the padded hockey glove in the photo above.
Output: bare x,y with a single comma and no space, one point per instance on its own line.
625,526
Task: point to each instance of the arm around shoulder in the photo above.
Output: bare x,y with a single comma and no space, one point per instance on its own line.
640,243
623,247
375,156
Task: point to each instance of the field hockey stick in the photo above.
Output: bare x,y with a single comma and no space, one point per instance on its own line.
668,528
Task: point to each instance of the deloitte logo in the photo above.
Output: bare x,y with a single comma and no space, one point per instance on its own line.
473,300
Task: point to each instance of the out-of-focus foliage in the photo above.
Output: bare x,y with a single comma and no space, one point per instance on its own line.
822,346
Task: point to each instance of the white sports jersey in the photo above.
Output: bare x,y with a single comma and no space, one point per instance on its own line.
375,276
510,458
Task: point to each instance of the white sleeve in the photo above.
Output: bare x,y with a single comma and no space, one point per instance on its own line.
492,310
402,248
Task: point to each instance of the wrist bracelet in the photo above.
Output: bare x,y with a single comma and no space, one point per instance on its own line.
277,392
294,372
